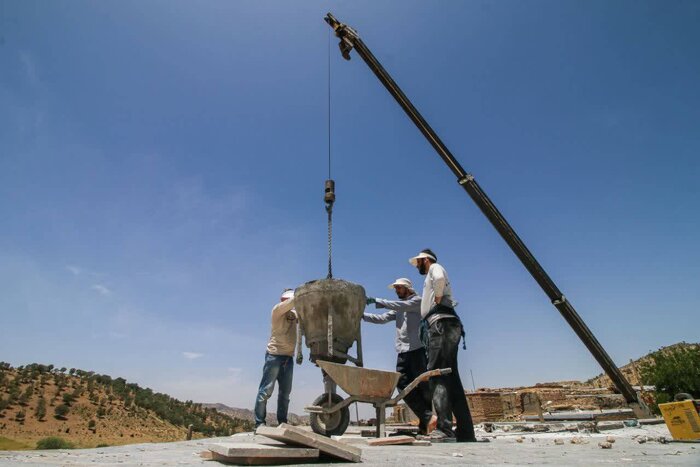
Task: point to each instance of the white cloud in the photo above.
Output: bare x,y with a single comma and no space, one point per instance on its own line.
101,289
192,355
75,270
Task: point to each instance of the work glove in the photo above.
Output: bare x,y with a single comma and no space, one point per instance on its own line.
371,300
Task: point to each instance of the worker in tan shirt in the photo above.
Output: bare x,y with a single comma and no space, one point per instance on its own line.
279,364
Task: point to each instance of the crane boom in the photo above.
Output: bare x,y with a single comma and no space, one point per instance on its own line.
349,40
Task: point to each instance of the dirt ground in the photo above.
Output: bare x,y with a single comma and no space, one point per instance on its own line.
503,448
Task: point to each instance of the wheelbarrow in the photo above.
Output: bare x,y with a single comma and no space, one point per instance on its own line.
329,414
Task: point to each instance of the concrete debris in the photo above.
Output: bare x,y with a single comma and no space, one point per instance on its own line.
610,439
587,427
641,439
650,421
457,454
558,441
528,427
605,426
605,445
578,440
519,439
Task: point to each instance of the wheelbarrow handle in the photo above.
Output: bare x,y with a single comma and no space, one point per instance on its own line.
423,377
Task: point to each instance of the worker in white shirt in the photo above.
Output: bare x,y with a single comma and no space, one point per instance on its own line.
279,364
442,330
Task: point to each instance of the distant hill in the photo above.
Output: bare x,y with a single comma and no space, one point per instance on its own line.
90,410
247,414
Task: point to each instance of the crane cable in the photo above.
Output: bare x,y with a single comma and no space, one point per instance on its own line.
329,191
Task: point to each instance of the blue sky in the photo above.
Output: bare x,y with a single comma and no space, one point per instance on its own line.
162,168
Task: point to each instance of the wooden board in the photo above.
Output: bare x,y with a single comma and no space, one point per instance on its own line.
391,440
297,436
260,454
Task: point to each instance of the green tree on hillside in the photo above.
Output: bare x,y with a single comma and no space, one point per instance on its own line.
68,398
673,371
14,392
40,412
26,395
61,411
43,380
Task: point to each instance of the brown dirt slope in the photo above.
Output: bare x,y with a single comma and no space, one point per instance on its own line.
98,410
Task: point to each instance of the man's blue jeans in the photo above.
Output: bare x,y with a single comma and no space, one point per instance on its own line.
278,368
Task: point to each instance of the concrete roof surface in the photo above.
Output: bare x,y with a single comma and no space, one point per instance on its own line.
534,449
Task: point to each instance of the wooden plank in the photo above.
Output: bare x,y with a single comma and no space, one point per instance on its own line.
298,436
260,454
391,440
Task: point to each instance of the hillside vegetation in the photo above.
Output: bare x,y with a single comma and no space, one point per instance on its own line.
633,370
88,409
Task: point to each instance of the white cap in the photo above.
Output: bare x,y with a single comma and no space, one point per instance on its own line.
402,281
287,294
414,260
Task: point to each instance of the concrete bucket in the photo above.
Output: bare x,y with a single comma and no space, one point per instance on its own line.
330,313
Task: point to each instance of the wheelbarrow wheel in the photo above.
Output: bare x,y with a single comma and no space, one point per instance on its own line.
330,424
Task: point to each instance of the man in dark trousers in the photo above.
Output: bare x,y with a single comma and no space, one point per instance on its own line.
411,359
441,331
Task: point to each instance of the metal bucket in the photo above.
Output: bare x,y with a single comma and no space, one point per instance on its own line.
330,313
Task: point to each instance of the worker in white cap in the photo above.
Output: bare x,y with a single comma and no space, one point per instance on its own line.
441,330
411,359
279,364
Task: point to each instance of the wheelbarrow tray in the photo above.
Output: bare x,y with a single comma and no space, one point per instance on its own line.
364,383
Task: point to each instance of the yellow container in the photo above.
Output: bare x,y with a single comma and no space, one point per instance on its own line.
682,420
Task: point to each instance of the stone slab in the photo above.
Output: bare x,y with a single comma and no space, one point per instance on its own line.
298,436
391,440
421,442
350,439
260,454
